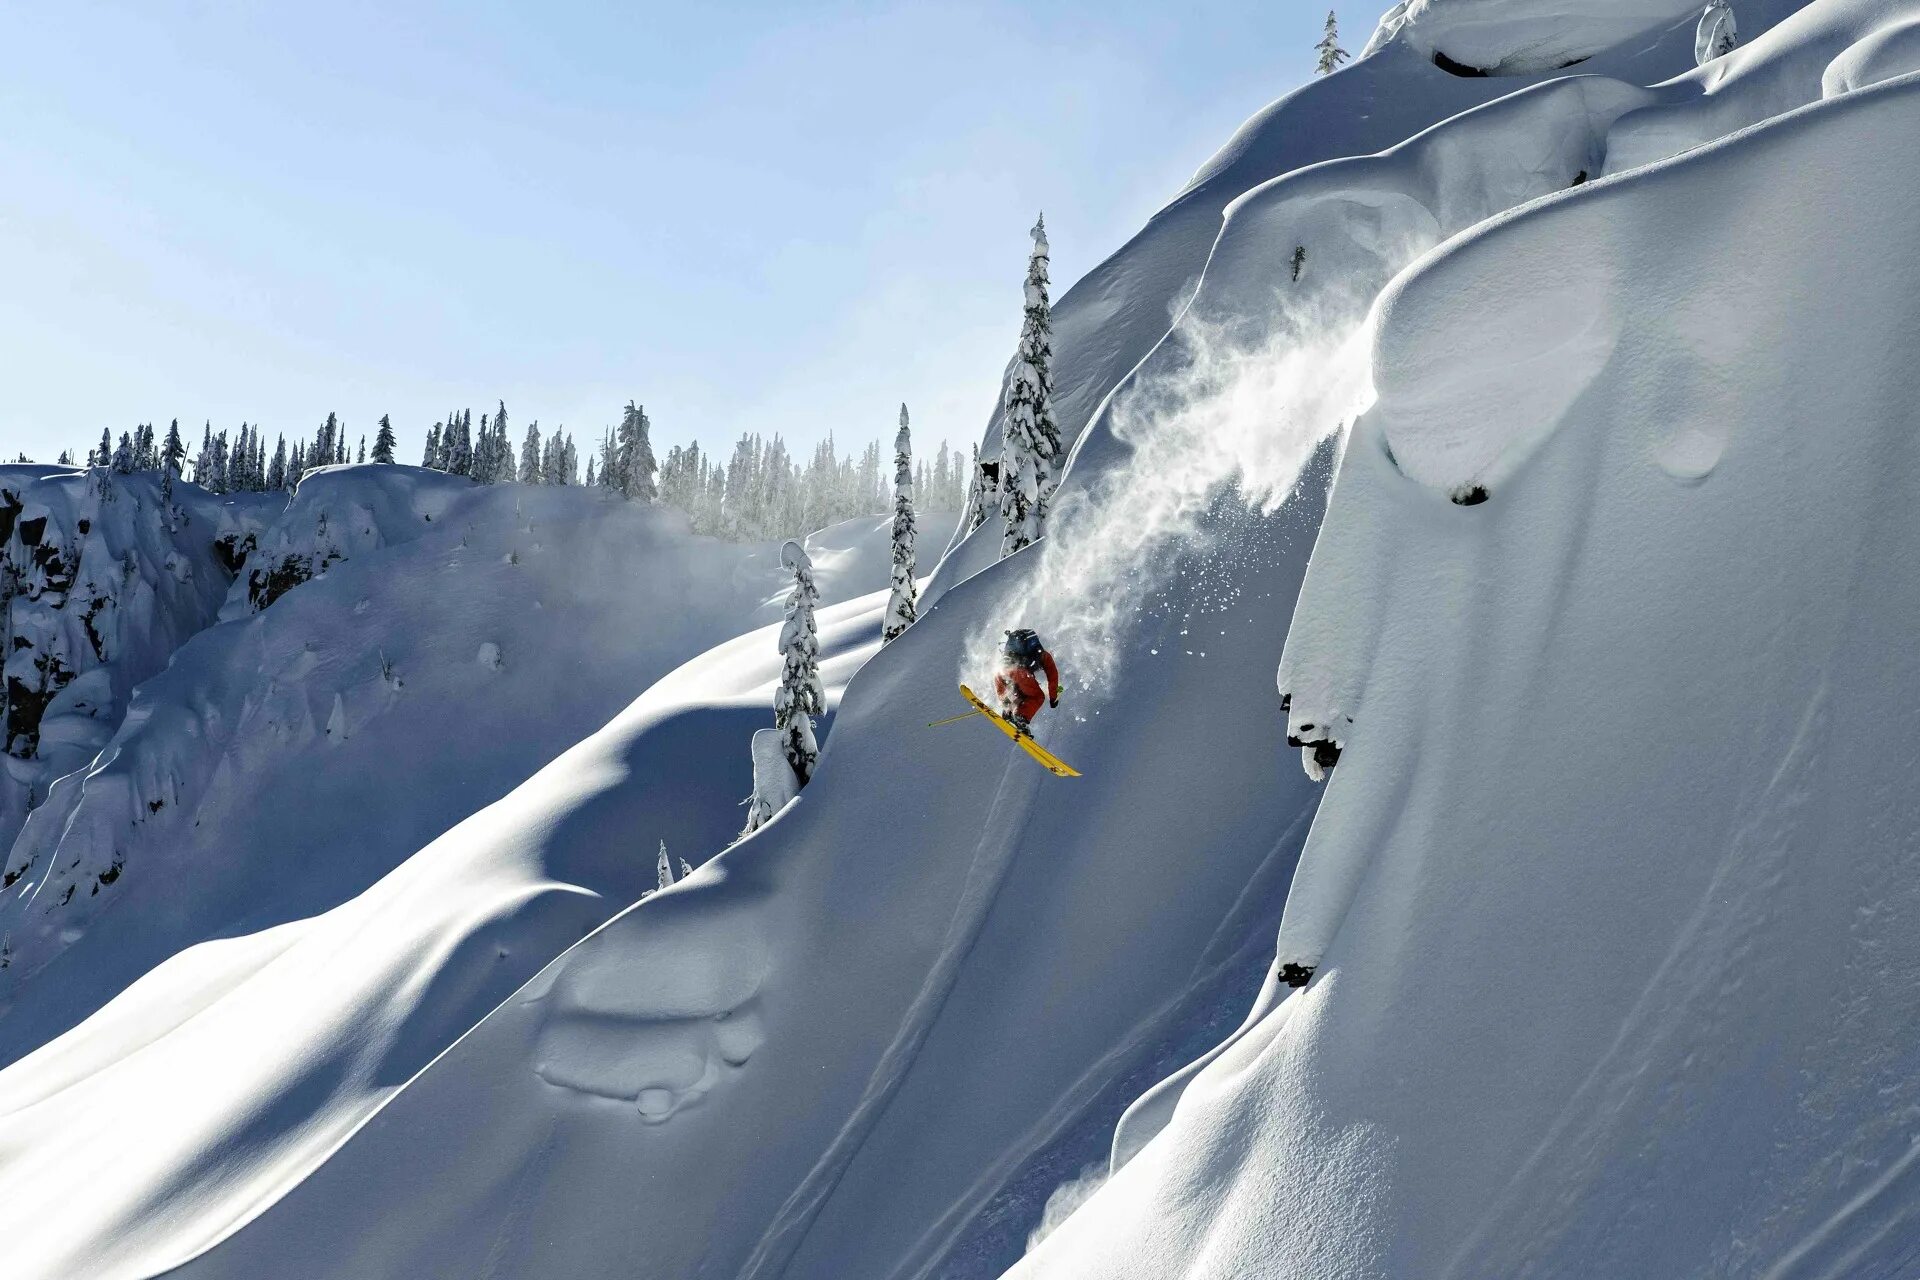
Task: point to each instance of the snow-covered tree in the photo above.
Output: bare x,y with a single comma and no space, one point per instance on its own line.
663,870
530,455
430,456
800,696
173,453
1717,33
383,440
900,602
633,457
459,451
123,455
277,472
104,454
1331,54
1030,452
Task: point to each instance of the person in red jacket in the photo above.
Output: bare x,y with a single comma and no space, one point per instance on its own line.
1018,684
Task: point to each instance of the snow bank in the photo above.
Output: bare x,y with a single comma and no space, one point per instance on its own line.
1612,896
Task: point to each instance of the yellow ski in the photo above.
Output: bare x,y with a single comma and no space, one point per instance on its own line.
1052,763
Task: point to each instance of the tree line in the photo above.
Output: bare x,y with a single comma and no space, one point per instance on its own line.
759,490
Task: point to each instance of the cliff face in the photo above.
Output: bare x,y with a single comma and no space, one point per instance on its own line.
102,577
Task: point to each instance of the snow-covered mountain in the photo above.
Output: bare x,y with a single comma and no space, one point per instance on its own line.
1597,958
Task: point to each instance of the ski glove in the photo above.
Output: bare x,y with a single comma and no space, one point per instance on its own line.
1054,701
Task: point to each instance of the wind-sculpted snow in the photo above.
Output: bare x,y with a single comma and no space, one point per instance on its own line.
1115,315
840,1038
1522,37
1268,359
223,1076
336,513
1612,899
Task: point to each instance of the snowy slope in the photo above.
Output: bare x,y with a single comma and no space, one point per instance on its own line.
101,577
1564,1020
1631,997
461,637
268,1045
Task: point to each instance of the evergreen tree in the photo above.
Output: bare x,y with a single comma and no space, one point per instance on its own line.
66,457
900,603
800,696
430,458
277,473
530,456
1331,54
104,455
1717,34
634,456
173,454
1030,451
383,440
663,870
123,455
460,451
363,450
297,467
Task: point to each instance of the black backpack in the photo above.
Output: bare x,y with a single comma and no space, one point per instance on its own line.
1023,646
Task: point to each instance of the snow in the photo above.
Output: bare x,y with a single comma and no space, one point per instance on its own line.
1672,944
1602,656
398,663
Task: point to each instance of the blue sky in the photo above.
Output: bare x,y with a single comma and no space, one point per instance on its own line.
748,216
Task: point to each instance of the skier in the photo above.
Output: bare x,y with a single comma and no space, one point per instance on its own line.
1016,685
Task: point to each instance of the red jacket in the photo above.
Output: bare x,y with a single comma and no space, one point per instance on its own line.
1018,688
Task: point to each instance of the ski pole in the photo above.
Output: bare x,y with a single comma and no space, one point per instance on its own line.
956,719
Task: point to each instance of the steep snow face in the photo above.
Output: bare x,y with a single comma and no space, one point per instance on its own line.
290,758
271,1043
338,512
918,975
1522,37
1113,316
102,577
1613,896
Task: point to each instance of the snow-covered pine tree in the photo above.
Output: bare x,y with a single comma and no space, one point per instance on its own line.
123,455
460,452
634,456
686,868
277,471
663,870
977,495
173,453
900,601
383,440
430,456
1331,54
530,455
800,696
1030,453
1717,33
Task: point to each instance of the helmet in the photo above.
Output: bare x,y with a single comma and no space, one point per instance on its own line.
1023,646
